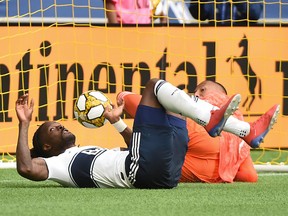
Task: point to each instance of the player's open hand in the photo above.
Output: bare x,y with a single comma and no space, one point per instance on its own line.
113,113
24,109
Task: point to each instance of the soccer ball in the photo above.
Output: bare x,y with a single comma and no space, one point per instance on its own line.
89,108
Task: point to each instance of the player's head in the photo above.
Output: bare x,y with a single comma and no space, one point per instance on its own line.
208,87
51,139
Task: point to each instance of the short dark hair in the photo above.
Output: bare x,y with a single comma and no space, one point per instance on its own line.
223,88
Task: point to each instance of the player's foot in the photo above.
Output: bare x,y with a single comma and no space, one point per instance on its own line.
261,127
220,116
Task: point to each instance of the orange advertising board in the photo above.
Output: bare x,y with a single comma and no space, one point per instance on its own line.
55,64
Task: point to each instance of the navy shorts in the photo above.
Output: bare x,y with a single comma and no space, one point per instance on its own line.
157,149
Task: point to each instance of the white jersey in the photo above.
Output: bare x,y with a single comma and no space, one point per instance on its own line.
89,166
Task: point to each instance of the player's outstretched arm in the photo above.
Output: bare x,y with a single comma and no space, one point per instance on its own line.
113,116
33,169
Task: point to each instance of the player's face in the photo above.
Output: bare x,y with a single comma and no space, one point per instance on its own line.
207,88
57,136
203,89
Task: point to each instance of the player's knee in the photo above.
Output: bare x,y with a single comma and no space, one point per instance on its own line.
148,96
151,83
150,86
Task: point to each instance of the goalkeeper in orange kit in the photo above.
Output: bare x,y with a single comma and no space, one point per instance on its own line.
224,158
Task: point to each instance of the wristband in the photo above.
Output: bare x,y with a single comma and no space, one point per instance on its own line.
120,125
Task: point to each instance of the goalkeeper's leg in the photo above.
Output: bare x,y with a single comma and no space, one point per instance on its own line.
252,133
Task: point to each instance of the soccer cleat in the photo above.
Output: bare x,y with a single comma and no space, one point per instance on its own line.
220,116
261,127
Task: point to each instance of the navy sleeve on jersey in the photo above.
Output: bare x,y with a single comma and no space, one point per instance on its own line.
80,168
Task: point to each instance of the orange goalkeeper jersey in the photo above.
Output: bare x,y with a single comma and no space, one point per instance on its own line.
211,159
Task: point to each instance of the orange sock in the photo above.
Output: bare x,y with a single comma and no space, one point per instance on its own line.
131,102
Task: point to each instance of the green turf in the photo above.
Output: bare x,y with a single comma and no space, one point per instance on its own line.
23,197
273,156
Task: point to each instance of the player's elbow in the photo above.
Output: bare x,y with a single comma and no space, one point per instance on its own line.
35,171
254,178
24,171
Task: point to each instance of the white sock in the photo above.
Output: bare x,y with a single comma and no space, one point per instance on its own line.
175,100
237,127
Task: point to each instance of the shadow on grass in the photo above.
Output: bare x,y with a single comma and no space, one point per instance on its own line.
27,184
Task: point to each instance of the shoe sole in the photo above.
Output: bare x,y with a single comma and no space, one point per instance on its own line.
256,142
274,118
232,107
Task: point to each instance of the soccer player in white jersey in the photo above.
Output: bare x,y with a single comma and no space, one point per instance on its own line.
156,146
